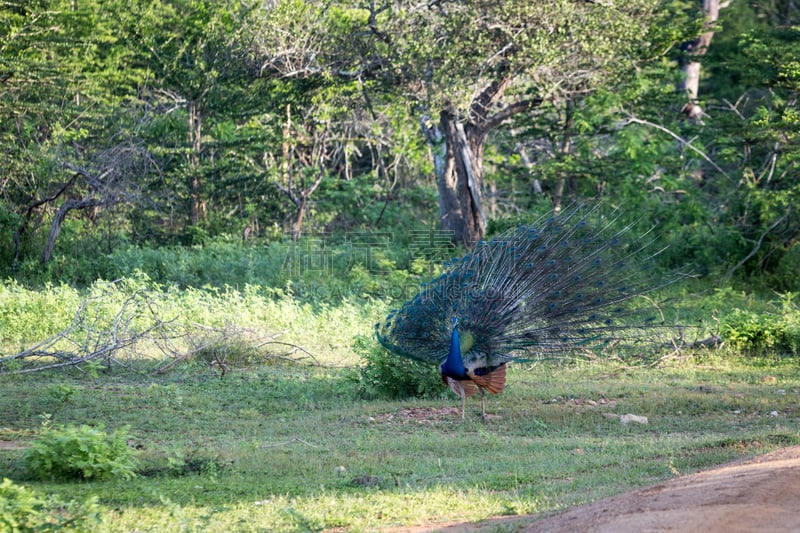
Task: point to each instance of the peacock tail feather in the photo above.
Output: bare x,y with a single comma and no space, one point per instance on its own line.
541,290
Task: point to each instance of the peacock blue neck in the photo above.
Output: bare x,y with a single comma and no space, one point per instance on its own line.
453,366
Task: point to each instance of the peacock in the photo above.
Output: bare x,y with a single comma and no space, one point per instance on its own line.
566,282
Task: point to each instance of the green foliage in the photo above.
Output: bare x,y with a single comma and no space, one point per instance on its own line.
8,222
80,452
23,510
384,375
764,332
262,449
31,314
275,91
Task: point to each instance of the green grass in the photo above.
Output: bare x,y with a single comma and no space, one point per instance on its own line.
323,328
260,450
276,445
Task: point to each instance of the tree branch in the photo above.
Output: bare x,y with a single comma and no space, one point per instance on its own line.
757,247
511,110
58,219
634,120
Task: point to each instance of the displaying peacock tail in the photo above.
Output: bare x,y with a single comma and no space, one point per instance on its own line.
542,290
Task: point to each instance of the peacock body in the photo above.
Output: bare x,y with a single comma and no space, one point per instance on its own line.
542,290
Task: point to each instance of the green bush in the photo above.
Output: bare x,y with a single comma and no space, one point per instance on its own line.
80,452
758,332
23,510
385,375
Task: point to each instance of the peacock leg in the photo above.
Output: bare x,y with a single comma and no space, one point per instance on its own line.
463,404
483,405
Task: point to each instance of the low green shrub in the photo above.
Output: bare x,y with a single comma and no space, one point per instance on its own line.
23,510
757,332
385,375
80,452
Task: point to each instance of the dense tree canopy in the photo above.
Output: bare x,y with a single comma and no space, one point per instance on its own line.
180,121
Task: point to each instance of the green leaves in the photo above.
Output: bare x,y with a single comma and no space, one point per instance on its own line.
81,452
23,510
385,375
759,333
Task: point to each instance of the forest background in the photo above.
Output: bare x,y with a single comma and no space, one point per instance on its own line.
127,127
205,206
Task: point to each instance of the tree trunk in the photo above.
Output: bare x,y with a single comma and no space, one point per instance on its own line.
58,220
690,83
564,150
195,132
458,163
458,147
297,223
297,194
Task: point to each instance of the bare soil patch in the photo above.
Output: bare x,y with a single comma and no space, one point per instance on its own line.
758,494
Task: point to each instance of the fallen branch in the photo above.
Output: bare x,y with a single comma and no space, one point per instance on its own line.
229,346
88,338
91,339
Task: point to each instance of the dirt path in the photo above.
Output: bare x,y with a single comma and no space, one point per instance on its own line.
759,494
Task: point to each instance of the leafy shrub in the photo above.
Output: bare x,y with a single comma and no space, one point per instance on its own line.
784,277
27,314
80,452
386,375
754,332
23,510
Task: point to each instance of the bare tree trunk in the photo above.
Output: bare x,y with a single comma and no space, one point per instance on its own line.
535,185
566,148
297,224
58,220
297,194
195,132
458,147
690,84
458,166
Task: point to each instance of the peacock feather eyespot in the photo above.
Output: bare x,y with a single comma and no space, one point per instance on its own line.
541,289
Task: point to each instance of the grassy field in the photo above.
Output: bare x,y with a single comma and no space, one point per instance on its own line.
290,444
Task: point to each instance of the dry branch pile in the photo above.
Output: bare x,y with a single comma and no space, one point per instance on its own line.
136,332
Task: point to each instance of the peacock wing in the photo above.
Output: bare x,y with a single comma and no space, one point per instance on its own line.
486,369
493,380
